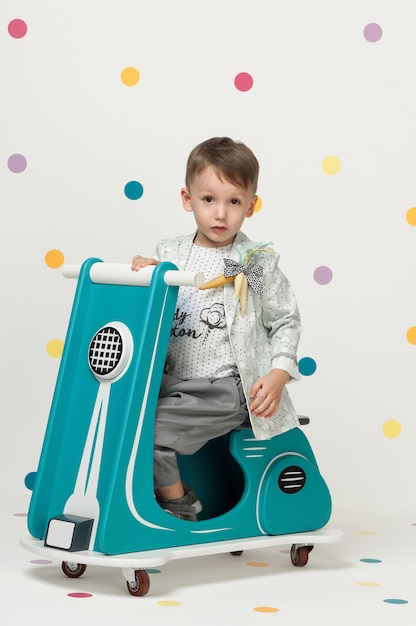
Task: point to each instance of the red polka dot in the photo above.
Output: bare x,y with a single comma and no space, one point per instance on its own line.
243,81
78,594
17,29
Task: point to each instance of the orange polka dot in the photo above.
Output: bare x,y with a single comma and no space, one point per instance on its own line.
130,76
411,335
411,216
266,609
258,205
54,259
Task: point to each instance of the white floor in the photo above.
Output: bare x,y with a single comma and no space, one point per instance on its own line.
367,579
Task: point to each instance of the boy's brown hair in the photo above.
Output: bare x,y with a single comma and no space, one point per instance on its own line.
232,160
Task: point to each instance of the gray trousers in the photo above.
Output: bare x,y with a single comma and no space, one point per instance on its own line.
189,414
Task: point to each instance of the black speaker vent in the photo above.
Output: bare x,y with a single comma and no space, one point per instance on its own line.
292,479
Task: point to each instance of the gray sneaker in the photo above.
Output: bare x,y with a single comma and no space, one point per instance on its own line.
186,508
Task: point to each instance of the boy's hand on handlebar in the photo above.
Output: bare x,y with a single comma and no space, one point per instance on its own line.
138,262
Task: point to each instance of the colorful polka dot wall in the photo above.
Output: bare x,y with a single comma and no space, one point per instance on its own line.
94,144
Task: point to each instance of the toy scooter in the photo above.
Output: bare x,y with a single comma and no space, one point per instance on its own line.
93,498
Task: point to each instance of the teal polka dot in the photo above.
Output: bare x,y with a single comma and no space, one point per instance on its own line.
395,601
370,561
133,190
307,366
30,480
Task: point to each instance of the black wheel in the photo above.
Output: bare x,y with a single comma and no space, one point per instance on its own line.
73,570
141,583
237,553
299,555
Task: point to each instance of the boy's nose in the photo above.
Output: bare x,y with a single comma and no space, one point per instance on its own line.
221,212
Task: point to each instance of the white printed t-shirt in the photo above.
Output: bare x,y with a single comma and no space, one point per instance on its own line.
199,346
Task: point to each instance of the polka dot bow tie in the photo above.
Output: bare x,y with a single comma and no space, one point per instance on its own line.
252,271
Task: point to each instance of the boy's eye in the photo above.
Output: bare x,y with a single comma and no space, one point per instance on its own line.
208,199
235,201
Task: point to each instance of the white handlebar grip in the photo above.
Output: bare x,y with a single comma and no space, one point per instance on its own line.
122,274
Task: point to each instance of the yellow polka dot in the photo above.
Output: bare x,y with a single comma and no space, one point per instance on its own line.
411,335
368,584
258,205
392,429
130,76
168,603
266,609
331,165
55,348
366,532
257,564
54,258
411,216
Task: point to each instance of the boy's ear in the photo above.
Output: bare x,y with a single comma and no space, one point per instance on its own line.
252,206
186,199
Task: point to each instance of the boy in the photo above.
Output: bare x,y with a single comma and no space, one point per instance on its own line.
229,359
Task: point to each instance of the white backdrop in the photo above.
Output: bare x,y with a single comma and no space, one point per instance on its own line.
99,94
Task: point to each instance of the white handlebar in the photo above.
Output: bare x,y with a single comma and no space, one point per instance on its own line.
122,274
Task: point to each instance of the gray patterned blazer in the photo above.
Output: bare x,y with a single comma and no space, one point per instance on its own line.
266,337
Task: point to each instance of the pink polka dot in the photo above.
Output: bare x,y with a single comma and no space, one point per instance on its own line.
243,81
323,275
373,32
17,29
78,594
17,163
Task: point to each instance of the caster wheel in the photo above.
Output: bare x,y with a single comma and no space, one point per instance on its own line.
73,570
299,555
141,584
236,553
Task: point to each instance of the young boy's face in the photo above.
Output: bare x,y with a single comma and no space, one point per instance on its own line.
219,208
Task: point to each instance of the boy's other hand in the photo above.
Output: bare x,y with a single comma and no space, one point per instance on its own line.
138,262
266,393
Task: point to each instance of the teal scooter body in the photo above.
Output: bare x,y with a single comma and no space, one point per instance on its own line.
95,474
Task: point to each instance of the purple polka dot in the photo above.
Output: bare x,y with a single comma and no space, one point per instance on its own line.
17,163
243,81
41,562
78,594
373,32
322,275
17,29
20,514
